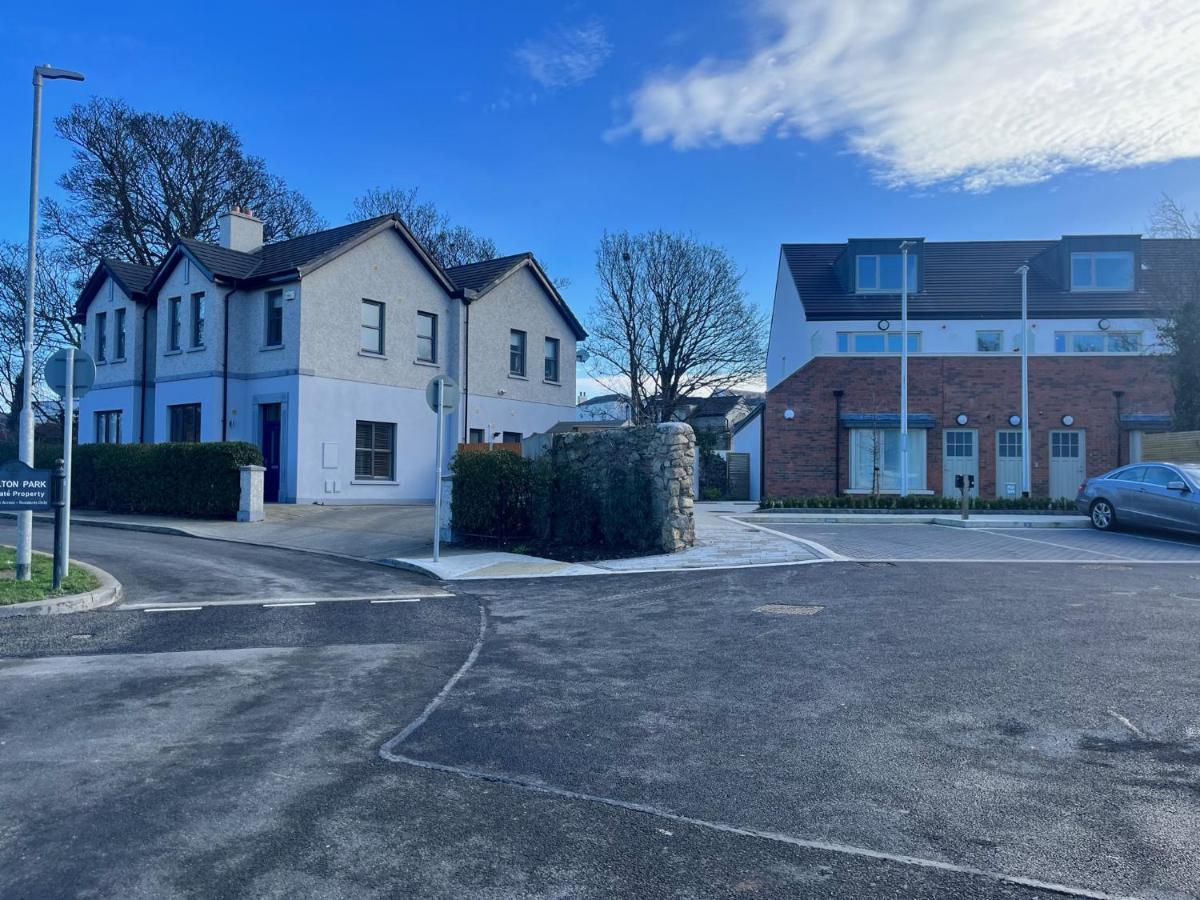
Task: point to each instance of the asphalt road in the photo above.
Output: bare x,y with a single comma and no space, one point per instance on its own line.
161,569
652,735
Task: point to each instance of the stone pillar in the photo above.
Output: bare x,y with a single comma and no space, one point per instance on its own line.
674,457
250,507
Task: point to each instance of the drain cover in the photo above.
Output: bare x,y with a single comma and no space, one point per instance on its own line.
787,609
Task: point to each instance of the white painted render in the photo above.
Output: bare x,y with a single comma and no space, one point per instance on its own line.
322,381
749,440
784,352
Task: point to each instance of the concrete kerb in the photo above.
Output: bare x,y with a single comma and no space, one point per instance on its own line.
106,593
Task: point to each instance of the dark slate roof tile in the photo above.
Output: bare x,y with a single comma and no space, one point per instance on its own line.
132,277
476,276
976,280
286,256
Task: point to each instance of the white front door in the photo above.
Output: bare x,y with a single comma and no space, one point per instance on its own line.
960,456
1010,464
1067,463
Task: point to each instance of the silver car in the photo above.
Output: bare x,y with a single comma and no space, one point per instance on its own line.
1150,495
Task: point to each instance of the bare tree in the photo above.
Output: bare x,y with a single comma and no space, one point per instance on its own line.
451,245
53,328
671,319
1180,329
141,180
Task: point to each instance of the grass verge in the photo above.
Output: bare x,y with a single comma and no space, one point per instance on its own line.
40,586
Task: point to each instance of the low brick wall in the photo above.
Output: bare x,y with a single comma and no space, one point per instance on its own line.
664,453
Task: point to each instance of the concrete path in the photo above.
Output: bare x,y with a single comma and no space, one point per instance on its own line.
359,532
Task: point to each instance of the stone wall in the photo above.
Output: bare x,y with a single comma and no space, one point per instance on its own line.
664,453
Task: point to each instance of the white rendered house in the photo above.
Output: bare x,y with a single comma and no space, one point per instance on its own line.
318,349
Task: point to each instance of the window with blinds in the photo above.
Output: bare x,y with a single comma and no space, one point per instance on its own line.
374,451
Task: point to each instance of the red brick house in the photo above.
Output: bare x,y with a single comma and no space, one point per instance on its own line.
1096,381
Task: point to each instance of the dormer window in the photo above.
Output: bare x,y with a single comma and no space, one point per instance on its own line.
881,273
1102,271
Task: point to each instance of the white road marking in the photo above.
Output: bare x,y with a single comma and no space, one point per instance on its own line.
290,603
399,600
1017,537
819,549
389,752
1124,721
172,609
260,601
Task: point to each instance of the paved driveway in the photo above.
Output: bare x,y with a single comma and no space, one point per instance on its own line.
944,543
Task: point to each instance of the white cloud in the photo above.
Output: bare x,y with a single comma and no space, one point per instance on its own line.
566,55
970,93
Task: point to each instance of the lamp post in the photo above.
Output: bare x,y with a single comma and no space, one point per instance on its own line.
25,519
1026,450
904,246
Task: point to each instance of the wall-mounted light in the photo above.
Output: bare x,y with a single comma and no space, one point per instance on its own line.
962,419
1104,324
883,324
1068,420
789,414
1014,420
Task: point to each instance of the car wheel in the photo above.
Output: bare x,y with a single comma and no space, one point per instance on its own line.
1104,517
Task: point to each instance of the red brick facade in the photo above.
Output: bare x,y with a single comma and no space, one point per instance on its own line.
800,452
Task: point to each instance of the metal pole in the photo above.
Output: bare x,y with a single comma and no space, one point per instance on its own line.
68,455
25,517
1026,449
903,369
437,490
57,501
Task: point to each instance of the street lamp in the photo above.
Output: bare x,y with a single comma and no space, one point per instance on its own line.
904,247
1026,455
25,518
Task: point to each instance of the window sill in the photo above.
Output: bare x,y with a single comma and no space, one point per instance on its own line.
114,361
172,353
427,363
555,383
369,355
374,481
196,349
99,362
265,347
516,377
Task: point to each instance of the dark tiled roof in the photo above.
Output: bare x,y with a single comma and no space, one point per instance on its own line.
221,261
976,280
476,276
604,398
717,406
132,277
286,256
481,275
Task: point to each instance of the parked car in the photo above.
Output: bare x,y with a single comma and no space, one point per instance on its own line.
1151,495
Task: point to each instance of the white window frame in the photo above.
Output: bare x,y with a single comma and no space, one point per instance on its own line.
174,324
918,447
432,338
380,329
119,334
852,338
108,426
523,370
1092,256
1068,341
556,358
197,320
860,288
999,332
101,337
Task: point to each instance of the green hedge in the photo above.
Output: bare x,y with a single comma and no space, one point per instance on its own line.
915,501
499,495
198,480
44,454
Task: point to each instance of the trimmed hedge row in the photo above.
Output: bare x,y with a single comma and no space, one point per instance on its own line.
503,496
914,501
196,480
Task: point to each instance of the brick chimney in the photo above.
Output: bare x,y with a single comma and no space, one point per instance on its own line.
240,230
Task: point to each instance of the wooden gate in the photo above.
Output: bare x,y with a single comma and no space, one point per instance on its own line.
738,477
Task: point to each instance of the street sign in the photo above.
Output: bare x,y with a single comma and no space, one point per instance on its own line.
449,393
56,372
23,487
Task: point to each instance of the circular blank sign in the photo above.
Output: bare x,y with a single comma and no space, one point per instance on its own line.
449,393
56,372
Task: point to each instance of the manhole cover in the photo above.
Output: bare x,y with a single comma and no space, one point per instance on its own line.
787,609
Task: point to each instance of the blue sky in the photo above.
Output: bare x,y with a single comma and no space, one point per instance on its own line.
543,124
